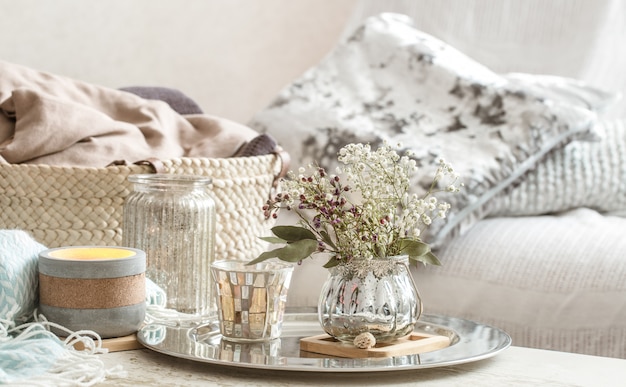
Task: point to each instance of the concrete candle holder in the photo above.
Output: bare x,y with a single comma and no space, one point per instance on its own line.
92,287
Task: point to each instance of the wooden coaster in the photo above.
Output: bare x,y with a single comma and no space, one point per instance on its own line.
409,345
116,344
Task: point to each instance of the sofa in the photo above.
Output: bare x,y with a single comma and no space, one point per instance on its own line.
538,253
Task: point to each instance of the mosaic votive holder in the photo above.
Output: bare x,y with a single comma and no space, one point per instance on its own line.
251,299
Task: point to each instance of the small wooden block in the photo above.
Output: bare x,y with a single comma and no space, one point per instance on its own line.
409,345
116,344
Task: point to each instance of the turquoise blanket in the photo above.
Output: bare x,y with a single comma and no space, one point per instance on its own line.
29,353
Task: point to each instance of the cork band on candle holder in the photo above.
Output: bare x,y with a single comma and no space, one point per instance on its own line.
92,293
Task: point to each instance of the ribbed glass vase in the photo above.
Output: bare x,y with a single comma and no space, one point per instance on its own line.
377,296
172,218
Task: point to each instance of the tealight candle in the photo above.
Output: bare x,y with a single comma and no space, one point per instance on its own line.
98,288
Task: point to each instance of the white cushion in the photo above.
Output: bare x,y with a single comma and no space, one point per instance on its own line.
552,282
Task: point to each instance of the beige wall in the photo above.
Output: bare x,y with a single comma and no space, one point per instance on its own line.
231,56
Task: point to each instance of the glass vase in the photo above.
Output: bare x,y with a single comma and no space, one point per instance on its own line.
172,218
377,296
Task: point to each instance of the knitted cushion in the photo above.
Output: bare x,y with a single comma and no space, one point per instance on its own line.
583,174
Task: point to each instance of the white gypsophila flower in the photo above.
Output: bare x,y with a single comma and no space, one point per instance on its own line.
365,210
444,206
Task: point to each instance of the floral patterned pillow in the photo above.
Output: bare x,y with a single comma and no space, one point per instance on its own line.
391,82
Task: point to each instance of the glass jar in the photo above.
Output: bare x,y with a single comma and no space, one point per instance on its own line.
377,296
172,218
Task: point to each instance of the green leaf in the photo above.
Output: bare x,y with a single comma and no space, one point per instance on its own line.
293,252
332,262
418,251
413,248
429,258
326,238
273,239
264,256
293,233
298,250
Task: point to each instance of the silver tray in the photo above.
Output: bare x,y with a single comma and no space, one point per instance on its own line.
470,341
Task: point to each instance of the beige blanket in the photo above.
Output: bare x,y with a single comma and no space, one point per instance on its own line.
55,120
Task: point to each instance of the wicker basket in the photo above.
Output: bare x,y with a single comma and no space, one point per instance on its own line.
71,206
